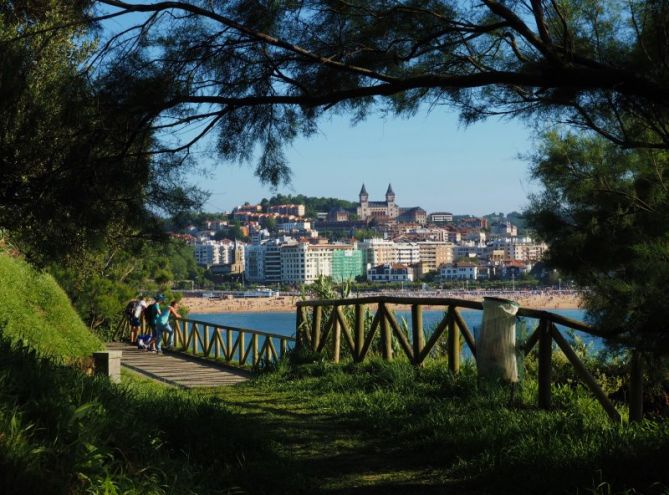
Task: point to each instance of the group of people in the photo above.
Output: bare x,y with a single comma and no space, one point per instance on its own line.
157,318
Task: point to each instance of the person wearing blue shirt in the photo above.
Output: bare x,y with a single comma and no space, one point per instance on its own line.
163,326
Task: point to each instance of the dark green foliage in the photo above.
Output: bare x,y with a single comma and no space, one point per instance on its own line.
72,144
260,74
101,282
605,214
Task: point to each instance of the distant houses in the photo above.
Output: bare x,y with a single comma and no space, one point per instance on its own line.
399,244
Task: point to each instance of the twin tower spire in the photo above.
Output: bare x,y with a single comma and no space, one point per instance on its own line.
390,194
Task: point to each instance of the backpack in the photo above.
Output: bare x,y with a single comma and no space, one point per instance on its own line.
151,313
129,310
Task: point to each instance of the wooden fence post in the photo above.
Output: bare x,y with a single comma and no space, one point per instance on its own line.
316,327
453,342
386,335
254,344
298,327
359,332
418,335
242,349
336,337
636,387
545,364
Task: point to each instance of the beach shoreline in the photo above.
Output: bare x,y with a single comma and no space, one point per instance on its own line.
534,299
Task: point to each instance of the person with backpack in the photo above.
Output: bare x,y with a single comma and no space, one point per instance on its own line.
134,310
152,312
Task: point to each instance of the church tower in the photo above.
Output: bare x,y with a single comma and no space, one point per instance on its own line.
364,197
363,208
390,195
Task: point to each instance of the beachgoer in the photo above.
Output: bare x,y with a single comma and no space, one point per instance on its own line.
152,312
163,327
136,317
128,313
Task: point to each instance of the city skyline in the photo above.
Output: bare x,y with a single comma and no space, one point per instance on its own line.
431,160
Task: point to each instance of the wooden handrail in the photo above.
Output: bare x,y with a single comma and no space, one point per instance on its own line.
454,326
540,314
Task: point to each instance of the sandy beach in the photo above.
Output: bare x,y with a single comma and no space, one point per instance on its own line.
538,300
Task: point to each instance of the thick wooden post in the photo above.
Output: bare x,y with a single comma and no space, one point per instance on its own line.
284,347
386,334
207,341
194,330
336,337
242,348
453,342
545,364
359,332
298,327
418,335
228,345
636,387
217,340
254,343
316,327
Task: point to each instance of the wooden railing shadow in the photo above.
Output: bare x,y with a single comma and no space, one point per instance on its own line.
343,325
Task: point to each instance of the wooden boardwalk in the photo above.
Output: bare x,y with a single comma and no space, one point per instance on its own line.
175,369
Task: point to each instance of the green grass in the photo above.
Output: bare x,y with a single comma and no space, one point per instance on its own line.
389,428
312,428
64,432
37,311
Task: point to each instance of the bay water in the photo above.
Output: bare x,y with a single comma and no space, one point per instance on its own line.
283,323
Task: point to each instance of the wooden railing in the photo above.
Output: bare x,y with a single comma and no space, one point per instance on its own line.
327,323
230,345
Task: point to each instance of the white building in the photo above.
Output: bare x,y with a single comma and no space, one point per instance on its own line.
209,253
407,253
381,251
390,272
459,271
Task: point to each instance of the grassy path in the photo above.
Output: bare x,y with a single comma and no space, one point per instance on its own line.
392,429
330,454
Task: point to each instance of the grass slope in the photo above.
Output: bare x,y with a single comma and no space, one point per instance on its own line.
389,428
37,311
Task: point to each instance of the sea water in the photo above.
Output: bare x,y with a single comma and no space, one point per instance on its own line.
283,323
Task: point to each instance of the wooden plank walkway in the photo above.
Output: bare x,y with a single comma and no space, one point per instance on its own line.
175,369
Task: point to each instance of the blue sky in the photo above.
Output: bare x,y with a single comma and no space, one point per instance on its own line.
431,160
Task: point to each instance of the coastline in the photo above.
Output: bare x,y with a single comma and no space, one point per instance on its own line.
534,299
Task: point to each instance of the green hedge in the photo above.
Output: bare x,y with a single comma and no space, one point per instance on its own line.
36,310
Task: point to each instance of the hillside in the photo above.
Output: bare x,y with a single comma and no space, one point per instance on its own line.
36,310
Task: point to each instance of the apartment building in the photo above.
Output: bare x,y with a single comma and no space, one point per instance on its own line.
378,251
435,254
294,210
520,248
